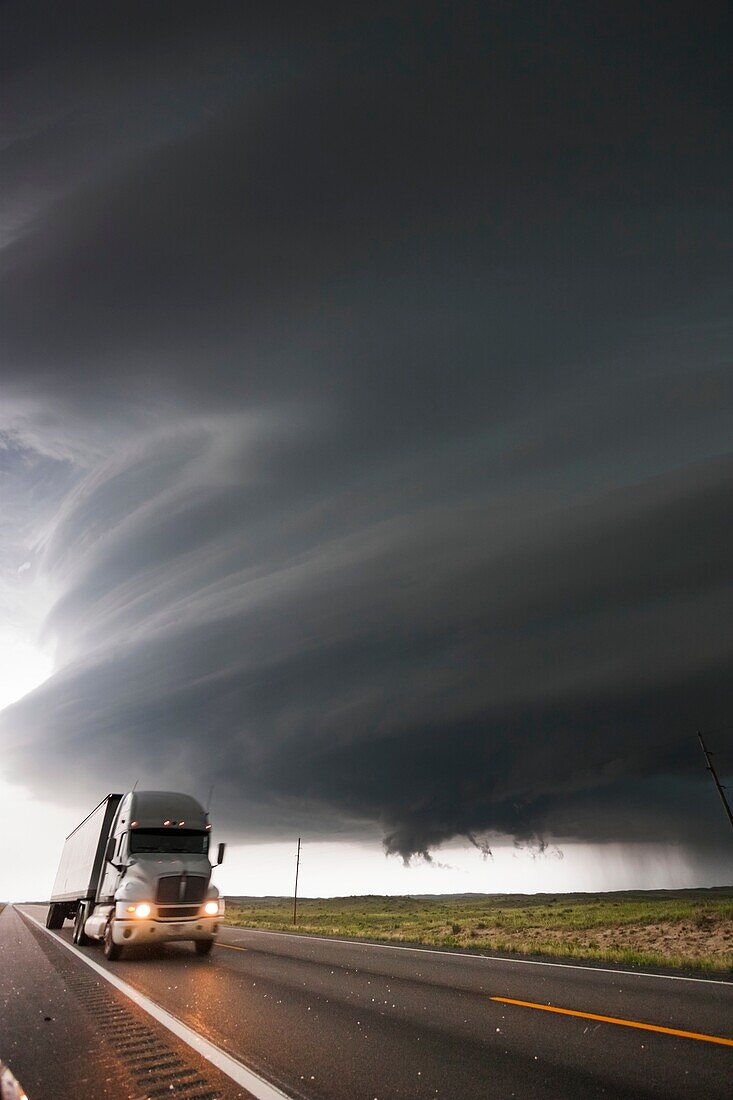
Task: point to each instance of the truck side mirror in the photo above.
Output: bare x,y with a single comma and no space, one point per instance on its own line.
220,857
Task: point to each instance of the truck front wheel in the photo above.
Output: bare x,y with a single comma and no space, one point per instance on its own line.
56,915
203,947
112,950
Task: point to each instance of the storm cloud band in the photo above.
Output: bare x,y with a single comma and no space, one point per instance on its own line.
366,415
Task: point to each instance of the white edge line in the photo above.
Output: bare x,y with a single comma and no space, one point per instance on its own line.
470,955
258,1086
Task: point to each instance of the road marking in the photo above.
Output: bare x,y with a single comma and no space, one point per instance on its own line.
230,946
237,1071
470,955
618,1020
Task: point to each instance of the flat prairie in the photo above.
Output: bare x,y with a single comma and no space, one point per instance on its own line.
686,929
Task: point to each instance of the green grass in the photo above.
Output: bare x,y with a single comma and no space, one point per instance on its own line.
691,928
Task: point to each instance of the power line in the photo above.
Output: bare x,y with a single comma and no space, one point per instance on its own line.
295,894
716,781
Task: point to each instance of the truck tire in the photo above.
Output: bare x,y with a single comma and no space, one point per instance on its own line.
55,916
112,950
203,947
80,936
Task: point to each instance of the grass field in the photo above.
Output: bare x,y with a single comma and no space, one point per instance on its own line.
685,928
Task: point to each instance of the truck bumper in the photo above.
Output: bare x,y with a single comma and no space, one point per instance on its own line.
158,931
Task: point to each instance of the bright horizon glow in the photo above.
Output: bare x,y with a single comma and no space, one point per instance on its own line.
31,837
349,869
23,667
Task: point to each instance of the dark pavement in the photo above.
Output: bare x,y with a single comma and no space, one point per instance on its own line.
65,1032
337,1020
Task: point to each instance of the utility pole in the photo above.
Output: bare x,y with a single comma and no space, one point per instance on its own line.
295,895
716,781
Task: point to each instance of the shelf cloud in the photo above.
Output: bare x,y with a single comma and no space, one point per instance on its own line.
365,416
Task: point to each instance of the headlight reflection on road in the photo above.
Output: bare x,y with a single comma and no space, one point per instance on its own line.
10,1087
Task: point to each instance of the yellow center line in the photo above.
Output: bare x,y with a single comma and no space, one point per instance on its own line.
231,946
617,1020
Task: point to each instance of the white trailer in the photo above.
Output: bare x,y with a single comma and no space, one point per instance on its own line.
81,862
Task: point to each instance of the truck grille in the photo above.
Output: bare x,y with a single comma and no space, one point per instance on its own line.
177,912
178,889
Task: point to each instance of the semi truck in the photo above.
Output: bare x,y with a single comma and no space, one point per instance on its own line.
136,870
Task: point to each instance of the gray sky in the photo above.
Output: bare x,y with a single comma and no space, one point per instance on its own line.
366,417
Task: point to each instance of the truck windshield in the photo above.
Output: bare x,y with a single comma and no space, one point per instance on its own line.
166,840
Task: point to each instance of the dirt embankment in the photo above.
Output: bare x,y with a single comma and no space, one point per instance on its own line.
674,938
709,941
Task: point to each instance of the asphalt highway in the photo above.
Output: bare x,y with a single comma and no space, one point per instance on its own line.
336,1020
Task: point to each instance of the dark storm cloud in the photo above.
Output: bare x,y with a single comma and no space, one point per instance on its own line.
390,355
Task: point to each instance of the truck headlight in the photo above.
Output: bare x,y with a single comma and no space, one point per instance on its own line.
211,908
142,910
